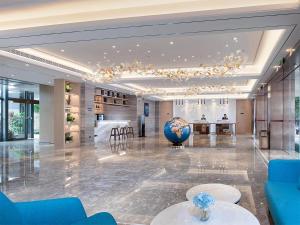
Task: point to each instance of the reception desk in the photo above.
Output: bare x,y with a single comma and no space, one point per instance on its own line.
103,128
218,128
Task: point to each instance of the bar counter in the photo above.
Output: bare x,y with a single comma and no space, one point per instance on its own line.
103,128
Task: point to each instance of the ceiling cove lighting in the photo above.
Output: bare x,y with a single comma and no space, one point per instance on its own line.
66,12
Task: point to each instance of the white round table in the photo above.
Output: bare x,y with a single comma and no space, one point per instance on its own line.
222,213
220,192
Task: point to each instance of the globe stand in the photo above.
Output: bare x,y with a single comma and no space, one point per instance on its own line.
178,146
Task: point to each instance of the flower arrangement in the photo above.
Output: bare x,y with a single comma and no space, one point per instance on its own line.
203,200
202,203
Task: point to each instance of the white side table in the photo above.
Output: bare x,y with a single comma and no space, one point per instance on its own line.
222,213
220,192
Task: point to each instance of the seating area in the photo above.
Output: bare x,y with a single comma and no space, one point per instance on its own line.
136,112
282,191
64,211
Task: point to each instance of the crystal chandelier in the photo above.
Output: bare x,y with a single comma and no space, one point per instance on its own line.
229,65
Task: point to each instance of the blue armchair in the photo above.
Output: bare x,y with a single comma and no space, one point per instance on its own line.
64,211
283,191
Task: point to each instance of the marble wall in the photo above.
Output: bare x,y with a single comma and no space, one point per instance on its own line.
46,114
275,104
191,111
87,115
112,112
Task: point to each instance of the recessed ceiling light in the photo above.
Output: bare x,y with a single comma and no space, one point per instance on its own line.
137,45
227,45
174,60
62,50
148,51
129,50
171,42
235,39
185,59
162,54
219,53
49,82
238,51
27,64
104,57
277,67
193,56
179,57
12,75
118,51
113,46
105,53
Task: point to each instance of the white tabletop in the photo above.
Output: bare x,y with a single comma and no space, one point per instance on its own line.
222,213
221,192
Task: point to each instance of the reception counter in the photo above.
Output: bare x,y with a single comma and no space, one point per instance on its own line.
103,128
218,128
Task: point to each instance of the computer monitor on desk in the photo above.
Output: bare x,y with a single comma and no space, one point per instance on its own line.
225,117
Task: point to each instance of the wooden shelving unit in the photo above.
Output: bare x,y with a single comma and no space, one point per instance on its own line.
66,114
72,114
108,97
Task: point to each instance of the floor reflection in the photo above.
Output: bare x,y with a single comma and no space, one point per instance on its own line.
19,164
134,178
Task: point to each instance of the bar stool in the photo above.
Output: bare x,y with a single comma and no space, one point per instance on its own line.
123,132
129,131
114,133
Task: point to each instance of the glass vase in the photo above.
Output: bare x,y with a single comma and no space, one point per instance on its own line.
203,214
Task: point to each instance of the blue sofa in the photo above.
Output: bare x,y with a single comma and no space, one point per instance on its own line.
63,211
283,191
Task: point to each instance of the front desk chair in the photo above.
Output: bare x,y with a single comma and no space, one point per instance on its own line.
63,211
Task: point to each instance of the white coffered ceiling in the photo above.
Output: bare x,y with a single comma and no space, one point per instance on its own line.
185,37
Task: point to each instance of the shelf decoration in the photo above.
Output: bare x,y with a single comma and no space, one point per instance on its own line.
70,118
68,138
68,87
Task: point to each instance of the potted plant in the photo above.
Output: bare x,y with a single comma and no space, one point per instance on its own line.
68,87
70,118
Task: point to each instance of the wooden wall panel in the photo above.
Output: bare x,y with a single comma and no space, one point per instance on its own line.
165,114
244,116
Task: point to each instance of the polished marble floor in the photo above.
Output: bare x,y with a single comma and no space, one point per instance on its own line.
133,179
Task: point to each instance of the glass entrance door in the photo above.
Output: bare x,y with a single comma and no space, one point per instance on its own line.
16,120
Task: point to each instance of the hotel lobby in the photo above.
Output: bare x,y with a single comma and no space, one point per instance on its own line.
149,113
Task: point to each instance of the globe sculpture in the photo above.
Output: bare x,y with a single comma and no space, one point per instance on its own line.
177,130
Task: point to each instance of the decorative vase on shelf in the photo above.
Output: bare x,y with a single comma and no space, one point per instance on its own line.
202,203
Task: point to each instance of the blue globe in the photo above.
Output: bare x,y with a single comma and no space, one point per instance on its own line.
177,130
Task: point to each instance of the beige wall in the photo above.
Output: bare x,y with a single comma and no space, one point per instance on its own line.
244,116
46,114
165,113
